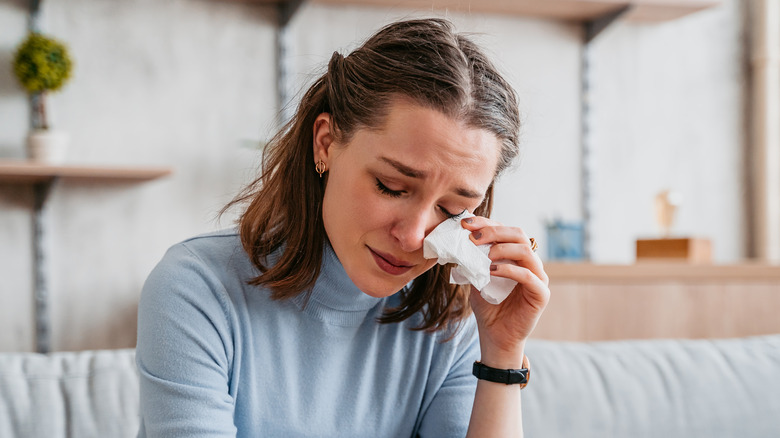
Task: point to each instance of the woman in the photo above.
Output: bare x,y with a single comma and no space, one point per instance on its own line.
318,316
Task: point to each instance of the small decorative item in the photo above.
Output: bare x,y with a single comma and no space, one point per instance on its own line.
42,65
668,248
565,241
666,203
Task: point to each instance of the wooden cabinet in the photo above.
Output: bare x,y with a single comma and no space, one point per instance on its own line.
660,300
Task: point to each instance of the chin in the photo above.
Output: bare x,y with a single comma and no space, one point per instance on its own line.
380,286
378,289
376,286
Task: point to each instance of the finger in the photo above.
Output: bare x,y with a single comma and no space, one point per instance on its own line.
535,291
477,222
522,255
496,234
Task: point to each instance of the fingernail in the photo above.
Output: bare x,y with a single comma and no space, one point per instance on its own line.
493,267
477,234
469,220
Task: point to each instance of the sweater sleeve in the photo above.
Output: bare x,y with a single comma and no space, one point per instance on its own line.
184,351
449,410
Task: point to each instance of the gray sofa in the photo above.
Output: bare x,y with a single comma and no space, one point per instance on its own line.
651,388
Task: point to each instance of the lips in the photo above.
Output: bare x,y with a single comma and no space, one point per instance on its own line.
390,264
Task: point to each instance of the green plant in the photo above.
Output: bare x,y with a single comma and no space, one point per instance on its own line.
41,64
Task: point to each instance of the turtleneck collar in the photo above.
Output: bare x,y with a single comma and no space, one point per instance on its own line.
335,298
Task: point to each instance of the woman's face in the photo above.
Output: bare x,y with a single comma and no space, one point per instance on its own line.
388,188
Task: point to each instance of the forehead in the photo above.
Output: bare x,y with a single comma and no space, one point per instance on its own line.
429,141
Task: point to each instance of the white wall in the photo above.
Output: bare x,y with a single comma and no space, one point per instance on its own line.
15,224
668,105
181,83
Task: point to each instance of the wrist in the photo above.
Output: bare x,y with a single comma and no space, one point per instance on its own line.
509,376
506,358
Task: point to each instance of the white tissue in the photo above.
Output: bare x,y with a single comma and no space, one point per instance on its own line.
450,243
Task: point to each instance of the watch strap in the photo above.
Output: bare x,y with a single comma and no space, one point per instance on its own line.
501,375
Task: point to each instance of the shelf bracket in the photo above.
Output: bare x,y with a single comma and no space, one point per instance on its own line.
34,19
594,27
41,192
41,294
286,11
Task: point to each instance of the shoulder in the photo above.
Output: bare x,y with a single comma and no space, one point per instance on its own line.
191,292
210,254
209,246
186,314
198,271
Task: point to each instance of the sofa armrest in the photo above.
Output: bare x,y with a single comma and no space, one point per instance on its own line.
69,394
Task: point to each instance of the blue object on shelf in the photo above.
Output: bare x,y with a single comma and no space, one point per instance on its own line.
565,241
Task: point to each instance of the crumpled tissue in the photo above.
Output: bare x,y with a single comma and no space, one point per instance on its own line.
449,243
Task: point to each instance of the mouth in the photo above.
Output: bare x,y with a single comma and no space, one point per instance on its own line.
390,264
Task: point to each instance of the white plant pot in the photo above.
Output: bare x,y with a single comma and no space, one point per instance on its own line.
48,146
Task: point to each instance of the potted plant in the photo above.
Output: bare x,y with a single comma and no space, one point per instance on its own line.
42,65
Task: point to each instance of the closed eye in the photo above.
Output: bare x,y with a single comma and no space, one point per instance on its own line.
450,215
386,191
398,193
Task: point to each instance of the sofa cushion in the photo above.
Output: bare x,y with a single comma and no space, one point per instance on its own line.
69,394
647,388
654,388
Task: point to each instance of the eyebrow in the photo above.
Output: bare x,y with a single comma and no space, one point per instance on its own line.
415,173
404,169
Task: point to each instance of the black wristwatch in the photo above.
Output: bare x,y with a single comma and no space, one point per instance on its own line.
507,376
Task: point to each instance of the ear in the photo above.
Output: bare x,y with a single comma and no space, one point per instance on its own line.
323,138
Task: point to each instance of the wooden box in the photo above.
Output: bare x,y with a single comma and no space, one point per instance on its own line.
687,249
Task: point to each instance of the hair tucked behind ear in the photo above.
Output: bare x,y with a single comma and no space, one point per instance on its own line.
423,60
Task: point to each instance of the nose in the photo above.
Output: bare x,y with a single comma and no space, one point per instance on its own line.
410,229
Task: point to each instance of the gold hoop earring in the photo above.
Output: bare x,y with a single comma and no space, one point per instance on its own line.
320,168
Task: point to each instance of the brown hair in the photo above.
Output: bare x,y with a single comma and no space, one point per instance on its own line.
424,60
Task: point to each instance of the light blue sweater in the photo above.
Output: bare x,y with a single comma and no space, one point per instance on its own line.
218,357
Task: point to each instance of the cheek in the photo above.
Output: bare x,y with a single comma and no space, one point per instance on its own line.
355,208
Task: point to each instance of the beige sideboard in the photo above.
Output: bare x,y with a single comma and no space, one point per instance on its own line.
654,300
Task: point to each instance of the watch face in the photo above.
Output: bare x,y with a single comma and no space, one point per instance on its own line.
523,385
527,366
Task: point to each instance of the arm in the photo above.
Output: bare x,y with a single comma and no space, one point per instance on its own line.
497,409
504,328
184,351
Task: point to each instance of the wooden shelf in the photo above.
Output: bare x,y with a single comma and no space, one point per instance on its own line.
565,10
27,172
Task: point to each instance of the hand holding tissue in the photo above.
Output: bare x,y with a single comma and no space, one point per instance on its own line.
449,243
